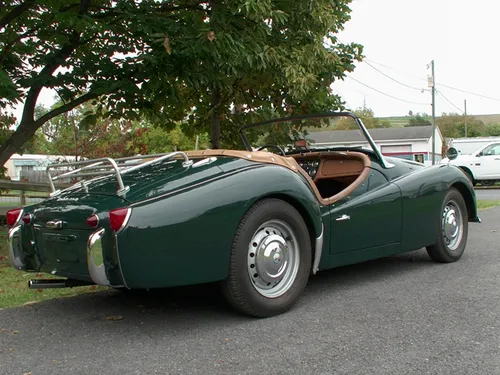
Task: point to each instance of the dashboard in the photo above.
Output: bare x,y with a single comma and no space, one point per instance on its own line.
310,166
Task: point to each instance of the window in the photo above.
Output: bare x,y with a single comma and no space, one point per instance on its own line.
419,158
492,150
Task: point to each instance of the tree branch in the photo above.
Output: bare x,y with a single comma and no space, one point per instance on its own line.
16,12
20,37
45,73
65,108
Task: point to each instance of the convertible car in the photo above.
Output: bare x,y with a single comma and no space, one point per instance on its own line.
260,222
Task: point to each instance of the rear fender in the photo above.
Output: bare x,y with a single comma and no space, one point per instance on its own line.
185,237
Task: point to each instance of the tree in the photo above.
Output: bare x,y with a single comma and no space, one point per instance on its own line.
85,132
494,130
84,50
171,59
260,59
452,125
418,120
367,116
6,122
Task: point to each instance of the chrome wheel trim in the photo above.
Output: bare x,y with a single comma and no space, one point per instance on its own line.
452,225
273,258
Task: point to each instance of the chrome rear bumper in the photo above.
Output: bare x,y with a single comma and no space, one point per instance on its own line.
95,259
15,248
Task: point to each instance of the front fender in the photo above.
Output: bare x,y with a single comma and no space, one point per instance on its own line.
423,192
185,237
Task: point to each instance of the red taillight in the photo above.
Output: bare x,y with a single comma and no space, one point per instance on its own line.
93,221
27,218
118,218
13,216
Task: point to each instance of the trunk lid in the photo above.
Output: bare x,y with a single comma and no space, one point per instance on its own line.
63,250
160,178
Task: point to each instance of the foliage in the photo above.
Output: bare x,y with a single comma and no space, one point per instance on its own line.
154,140
86,132
418,120
452,125
216,62
259,59
367,116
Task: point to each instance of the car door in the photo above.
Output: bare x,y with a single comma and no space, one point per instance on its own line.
488,162
370,218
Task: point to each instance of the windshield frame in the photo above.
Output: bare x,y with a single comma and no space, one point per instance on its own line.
358,121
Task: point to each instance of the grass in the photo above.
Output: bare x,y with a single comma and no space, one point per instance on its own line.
483,205
14,284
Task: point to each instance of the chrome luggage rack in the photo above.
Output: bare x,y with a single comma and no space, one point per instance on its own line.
92,170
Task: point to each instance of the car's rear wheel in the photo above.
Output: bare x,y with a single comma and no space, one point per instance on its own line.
270,260
452,231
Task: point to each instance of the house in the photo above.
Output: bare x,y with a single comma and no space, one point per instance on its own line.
411,143
32,167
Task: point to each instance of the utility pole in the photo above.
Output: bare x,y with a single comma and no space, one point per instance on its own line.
465,116
432,84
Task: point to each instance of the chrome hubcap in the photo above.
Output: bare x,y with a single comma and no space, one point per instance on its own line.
273,258
452,225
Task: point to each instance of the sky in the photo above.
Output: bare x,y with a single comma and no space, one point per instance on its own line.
401,38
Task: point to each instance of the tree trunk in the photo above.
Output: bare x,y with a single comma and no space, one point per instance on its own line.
24,132
215,139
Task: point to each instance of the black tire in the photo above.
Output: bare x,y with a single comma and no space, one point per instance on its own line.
487,182
469,176
442,251
240,290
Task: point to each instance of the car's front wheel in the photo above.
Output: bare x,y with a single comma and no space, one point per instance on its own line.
452,230
270,260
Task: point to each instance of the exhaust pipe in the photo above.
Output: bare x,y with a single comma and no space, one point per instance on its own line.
55,283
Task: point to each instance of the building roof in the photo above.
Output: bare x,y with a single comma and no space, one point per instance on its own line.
378,134
38,157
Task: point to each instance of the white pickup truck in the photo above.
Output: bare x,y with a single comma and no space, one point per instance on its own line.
482,166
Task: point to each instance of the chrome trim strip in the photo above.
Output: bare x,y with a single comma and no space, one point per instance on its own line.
119,262
15,259
318,250
97,272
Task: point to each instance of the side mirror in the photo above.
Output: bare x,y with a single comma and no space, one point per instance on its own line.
452,153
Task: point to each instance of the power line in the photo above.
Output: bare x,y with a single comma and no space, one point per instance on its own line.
471,93
445,98
398,71
383,93
393,79
442,84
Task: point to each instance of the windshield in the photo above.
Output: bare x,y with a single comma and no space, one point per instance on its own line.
288,135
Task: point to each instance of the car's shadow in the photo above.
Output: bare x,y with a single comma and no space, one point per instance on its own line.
204,303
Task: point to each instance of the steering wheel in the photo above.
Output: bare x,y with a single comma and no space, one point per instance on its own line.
277,147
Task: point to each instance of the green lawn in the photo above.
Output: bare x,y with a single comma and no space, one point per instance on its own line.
482,205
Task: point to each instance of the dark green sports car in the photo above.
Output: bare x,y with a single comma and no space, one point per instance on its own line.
259,221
